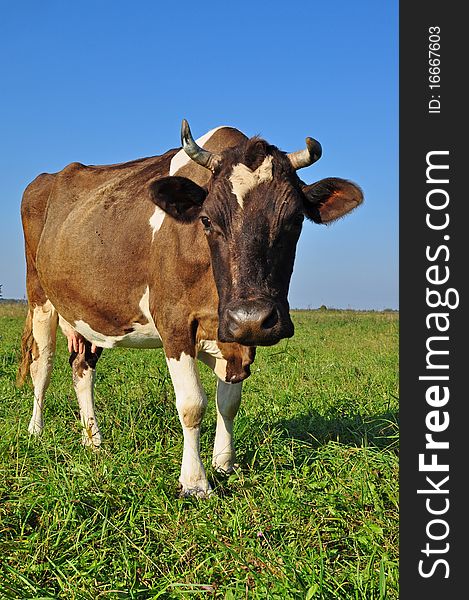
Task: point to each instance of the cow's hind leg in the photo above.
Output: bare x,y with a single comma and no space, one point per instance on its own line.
191,402
84,372
44,328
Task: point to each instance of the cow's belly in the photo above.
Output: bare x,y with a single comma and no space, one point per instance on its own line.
142,336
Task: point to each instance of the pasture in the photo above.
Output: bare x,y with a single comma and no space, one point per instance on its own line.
312,511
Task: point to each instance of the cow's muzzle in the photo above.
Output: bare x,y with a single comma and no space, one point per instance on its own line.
254,323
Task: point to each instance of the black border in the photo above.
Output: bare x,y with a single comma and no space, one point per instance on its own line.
421,132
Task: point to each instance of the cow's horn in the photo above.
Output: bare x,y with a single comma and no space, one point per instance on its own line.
306,157
194,151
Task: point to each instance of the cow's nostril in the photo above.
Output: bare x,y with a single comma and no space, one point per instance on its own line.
270,320
235,322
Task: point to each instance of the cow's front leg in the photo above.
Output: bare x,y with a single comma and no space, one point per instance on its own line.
191,402
228,401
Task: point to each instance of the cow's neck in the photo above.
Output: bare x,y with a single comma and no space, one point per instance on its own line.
181,252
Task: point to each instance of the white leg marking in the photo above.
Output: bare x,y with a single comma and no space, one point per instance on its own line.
84,389
190,402
44,333
228,401
243,180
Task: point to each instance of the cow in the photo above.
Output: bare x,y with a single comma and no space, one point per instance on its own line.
191,251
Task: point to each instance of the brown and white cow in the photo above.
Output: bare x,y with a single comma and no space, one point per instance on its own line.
191,251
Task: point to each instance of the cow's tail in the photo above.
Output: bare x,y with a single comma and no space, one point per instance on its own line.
27,346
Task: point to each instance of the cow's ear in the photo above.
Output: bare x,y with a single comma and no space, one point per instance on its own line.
330,199
178,196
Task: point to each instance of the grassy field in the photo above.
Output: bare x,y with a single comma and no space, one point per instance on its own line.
312,512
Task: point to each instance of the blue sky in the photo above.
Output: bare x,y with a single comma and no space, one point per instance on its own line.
103,82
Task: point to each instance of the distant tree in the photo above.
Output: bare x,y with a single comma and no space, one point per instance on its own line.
0,290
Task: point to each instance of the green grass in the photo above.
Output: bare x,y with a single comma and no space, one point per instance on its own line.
313,512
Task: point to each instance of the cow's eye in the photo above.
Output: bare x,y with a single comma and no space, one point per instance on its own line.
298,220
206,223
295,223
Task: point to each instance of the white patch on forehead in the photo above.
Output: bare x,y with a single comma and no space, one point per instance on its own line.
180,159
156,220
142,336
243,180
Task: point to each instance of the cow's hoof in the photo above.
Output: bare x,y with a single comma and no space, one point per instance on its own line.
35,427
225,469
91,441
195,491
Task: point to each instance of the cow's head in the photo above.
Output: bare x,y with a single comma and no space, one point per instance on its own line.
252,213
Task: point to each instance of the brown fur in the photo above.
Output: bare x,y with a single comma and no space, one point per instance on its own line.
239,359
97,234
